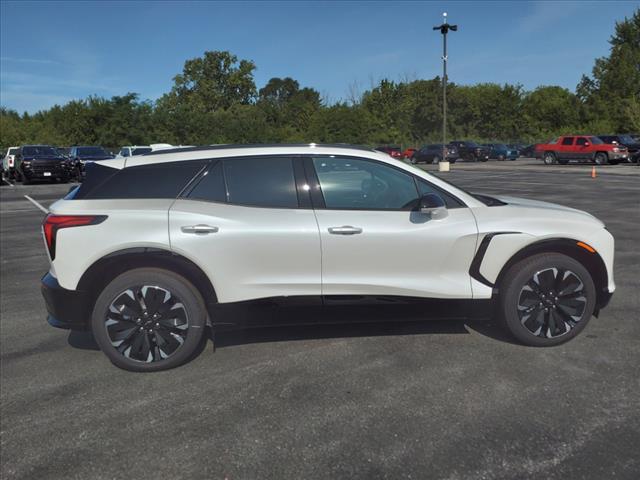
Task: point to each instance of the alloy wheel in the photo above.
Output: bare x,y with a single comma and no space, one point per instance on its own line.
552,302
147,323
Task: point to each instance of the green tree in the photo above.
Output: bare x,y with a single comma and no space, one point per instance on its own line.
610,97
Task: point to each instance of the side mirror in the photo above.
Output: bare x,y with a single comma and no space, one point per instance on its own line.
586,144
433,205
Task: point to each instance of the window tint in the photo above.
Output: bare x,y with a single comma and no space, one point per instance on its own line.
567,141
124,152
211,186
89,151
596,141
261,182
581,141
160,180
349,183
39,150
450,201
140,151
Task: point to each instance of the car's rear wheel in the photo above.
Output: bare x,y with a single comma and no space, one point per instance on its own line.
547,299
436,159
601,158
549,158
149,319
413,160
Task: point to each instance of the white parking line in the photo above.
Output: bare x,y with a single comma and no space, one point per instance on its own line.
7,182
37,204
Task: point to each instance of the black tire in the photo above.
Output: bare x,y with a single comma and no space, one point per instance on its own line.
563,286
484,159
601,158
149,333
470,157
549,158
413,160
501,158
436,159
24,180
563,161
453,160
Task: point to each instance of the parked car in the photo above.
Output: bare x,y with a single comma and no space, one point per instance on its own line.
433,154
633,146
500,151
80,155
173,239
528,151
134,150
41,162
581,148
9,163
518,147
408,152
394,152
471,151
64,151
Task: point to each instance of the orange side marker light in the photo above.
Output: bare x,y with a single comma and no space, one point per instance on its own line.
588,248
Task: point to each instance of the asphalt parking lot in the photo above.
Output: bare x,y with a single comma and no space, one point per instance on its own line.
394,400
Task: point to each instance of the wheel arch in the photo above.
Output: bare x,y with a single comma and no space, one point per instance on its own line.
104,270
592,261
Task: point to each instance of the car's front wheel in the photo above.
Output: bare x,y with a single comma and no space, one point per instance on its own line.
149,319
547,299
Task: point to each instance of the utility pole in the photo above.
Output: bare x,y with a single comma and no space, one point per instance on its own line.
444,29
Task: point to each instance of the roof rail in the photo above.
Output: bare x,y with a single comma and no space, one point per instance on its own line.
255,145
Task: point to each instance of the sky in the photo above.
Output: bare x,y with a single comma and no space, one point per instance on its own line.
53,52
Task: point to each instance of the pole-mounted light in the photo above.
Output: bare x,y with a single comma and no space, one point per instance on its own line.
444,29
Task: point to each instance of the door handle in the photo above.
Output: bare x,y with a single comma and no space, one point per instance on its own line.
199,229
345,230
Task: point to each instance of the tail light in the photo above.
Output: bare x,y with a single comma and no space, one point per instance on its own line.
53,223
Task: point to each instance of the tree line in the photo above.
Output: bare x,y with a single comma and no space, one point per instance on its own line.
215,100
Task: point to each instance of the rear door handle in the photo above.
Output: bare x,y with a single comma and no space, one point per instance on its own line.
199,229
345,230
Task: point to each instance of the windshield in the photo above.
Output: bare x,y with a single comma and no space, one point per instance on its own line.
92,151
39,150
625,139
500,146
141,150
471,144
596,141
12,151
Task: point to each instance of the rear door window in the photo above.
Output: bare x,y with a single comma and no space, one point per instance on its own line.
211,186
567,141
261,182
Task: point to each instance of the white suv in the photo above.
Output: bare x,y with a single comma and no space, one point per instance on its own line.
147,250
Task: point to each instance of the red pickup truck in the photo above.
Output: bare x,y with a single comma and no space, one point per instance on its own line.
580,147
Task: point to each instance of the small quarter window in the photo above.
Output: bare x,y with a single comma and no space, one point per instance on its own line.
159,180
211,187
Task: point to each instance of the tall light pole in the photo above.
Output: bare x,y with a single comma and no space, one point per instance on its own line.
444,29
